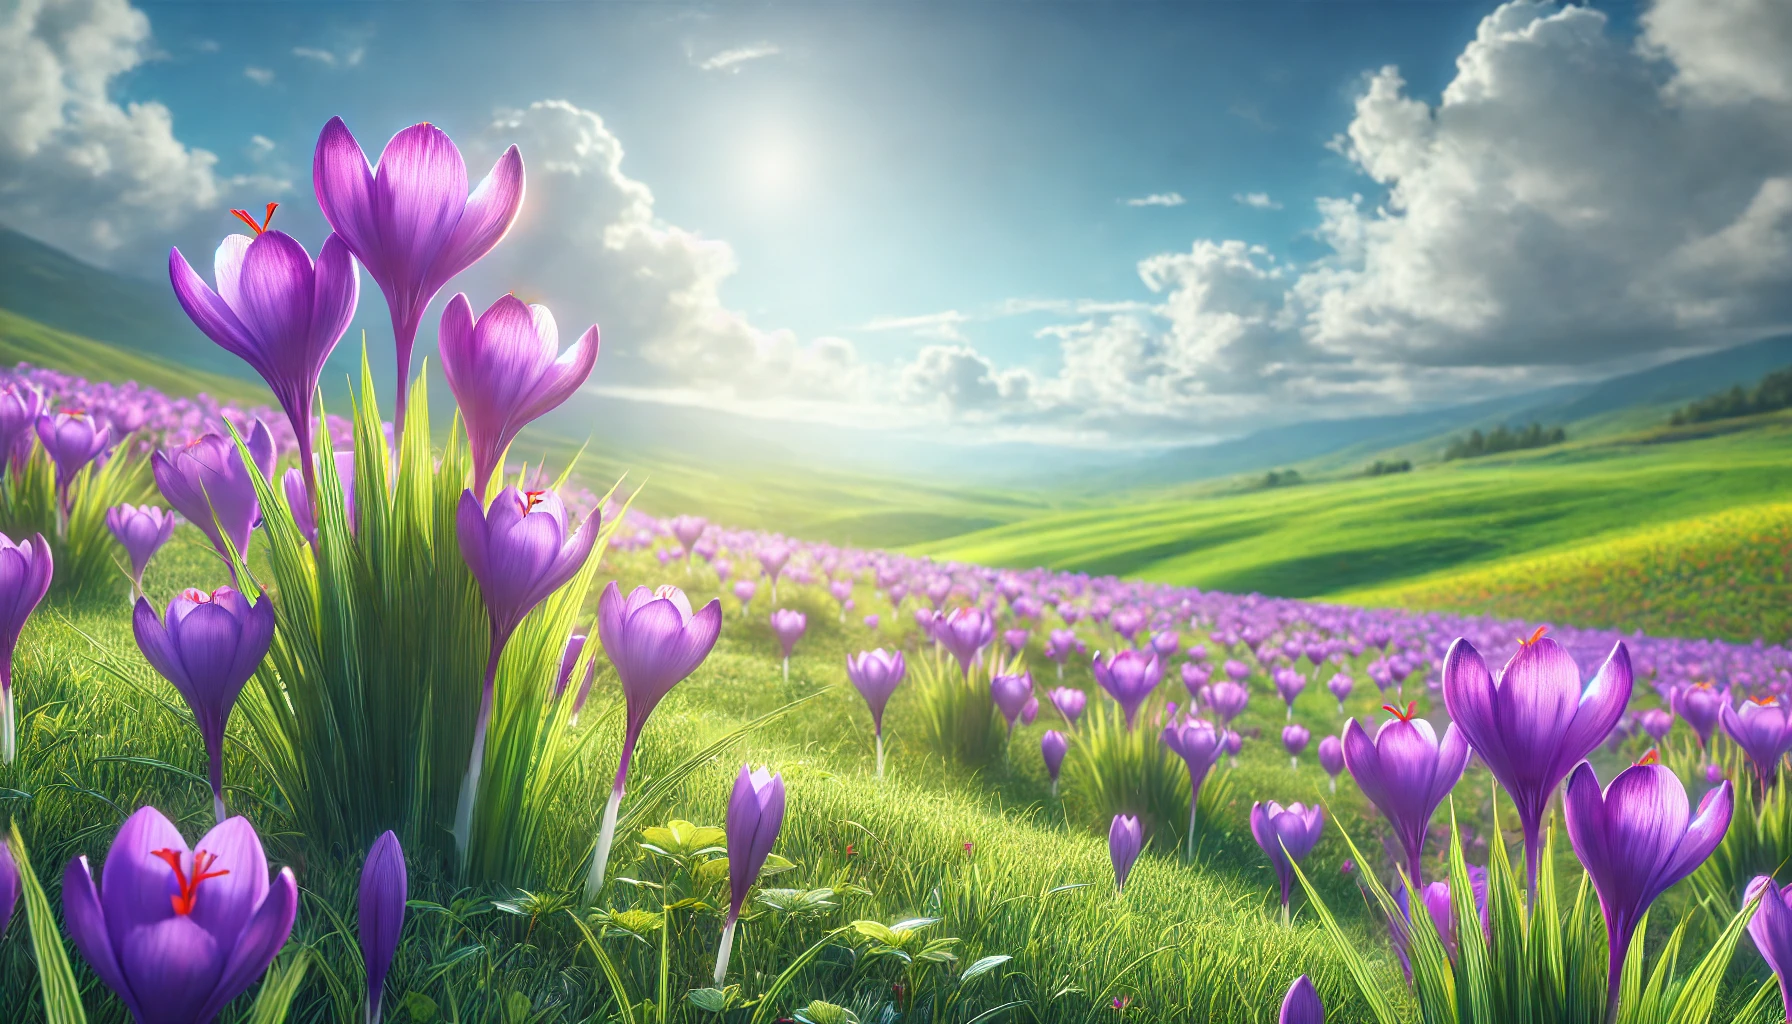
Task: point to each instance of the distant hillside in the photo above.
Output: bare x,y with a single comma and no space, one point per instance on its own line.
44,284
27,341
1588,410
1724,575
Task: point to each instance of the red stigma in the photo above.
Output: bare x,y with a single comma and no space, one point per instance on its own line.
1764,702
1534,637
530,500
1652,757
243,215
189,888
1411,708
197,596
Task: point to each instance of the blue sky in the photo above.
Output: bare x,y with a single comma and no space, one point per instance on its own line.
934,217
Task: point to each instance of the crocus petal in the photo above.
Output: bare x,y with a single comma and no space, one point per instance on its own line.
222,905
489,212
210,313
343,183
258,944
86,921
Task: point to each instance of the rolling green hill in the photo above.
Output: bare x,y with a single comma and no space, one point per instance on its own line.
1334,537
27,341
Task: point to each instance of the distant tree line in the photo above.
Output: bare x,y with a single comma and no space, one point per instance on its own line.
1281,478
1773,392
1504,439
1383,467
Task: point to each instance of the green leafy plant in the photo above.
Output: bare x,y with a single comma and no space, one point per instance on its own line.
365,712
958,717
83,550
1531,964
1759,841
1112,769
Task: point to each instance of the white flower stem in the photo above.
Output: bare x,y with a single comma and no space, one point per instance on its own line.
726,948
880,755
606,834
787,669
8,736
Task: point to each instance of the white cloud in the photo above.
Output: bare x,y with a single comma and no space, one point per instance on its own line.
1157,199
260,76
942,326
260,146
348,55
732,60
1256,200
91,175
1725,49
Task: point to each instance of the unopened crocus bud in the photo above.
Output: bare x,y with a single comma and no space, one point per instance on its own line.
755,814
1331,758
1070,703
25,572
1011,693
1340,685
876,674
1294,740
1053,746
743,592
1301,1005
1286,834
788,625
1125,839
384,889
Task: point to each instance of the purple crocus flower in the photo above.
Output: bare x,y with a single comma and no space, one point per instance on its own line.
1701,706
876,674
1763,730
277,311
207,483
755,814
788,625
1301,1005
1534,723
1294,740
411,221
1060,645
1340,685
654,641
73,439
1070,703
1236,670
772,561
25,573
1010,694
1286,834
507,370
688,530
1016,640
871,622
1637,839
20,405
519,552
1435,898
1166,643
175,933
1128,677
1331,758
1125,839
384,889
1657,723
1052,747
569,662
1289,685
207,645
1406,772
1228,700
743,592
1199,745
1771,930
142,531
1195,678
964,632
9,886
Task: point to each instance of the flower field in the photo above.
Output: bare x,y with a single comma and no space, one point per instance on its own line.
336,719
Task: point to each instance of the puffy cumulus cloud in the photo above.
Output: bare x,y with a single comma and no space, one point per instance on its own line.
1572,203
105,180
591,246
1725,49
959,380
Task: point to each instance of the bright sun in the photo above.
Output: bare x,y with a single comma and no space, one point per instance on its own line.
774,168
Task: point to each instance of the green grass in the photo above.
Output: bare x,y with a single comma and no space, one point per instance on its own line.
1724,575
1349,535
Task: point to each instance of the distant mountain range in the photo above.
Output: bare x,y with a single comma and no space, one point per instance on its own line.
46,285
